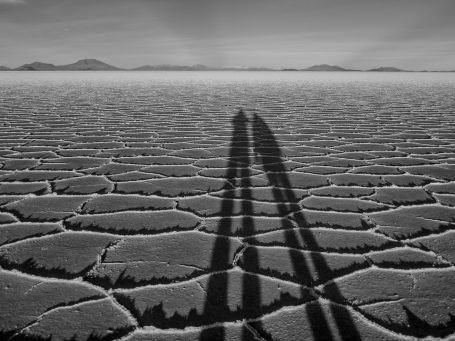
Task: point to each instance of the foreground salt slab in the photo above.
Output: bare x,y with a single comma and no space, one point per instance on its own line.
100,319
202,301
135,222
415,305
320,320
64,255
165,258
24,298
307,267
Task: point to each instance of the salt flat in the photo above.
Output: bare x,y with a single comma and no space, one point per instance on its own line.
227,206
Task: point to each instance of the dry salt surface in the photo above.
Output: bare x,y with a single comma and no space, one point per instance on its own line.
227,206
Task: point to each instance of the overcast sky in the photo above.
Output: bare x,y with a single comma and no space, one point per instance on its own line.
411,34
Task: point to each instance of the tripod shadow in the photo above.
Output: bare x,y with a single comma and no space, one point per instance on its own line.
268,154
238,174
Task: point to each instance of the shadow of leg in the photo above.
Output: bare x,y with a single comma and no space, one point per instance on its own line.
268,151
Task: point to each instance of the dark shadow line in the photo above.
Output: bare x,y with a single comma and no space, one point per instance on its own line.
268,151
238,173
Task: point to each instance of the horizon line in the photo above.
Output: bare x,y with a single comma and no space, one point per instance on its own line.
102,66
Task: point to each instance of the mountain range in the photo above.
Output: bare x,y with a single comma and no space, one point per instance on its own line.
80,65
96,65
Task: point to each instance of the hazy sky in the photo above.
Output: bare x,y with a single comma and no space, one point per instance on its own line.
413,34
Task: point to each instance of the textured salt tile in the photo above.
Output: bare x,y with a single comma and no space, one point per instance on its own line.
343,192
112,168
295,180
355,147
341,204
333,162
38,175
97,145
134,176
135,222
356,180
17,231
33,155
350,221
45,142
35,149
388,154
445,199
183,145
446,188
209,206
114,203
24,188
131,151
218,163
320,320
19,164
410,303
370,286
435,212
299,150
324,143
244,225
156,160
197,153
401,196
307,267
280,166
228,173
162,259
24,298
323,239
310,160
442,244
77,152
402,224
405,180
6,218
46,208
355,156
64,255
73,163
230,331
5,199
401,161
250,182
274,194
172,186
84,185
375,169
426,150
100,319
437,172
405,258
222,151
322,170
179,304
174,170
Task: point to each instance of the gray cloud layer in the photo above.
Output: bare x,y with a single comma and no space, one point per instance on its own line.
413,34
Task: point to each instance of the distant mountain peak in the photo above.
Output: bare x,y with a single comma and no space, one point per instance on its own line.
88,64
36,66
325,67
387,69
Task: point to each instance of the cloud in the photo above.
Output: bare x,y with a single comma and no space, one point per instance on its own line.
12,2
